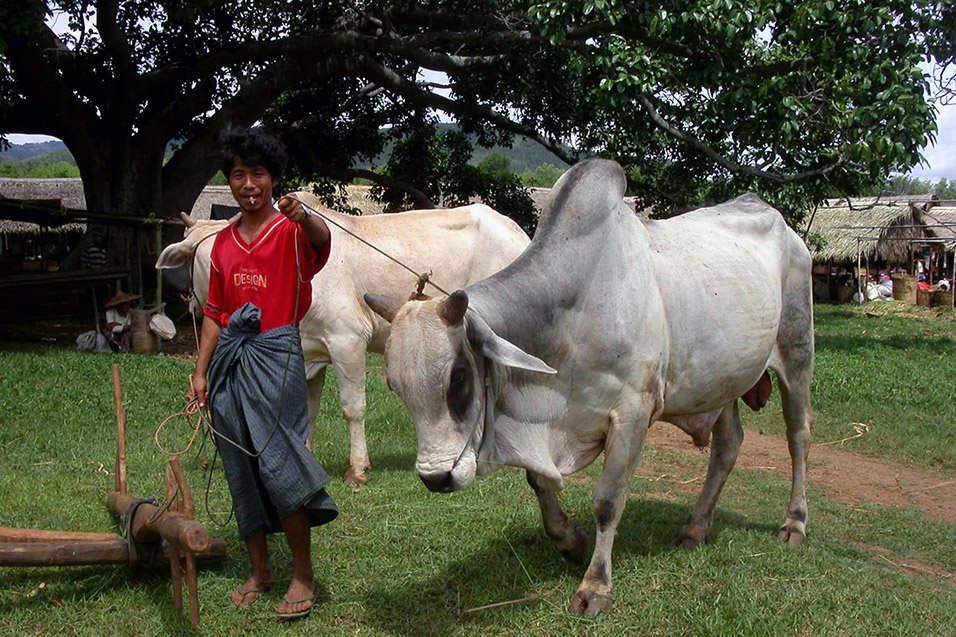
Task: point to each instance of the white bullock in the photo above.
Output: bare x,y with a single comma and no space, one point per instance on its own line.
459,246
604,325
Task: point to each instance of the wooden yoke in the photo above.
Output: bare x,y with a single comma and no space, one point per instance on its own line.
186,539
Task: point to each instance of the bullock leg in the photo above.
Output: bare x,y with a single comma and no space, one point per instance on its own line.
797,413
723,454
622,454
794,368
568,536
314,384
349,366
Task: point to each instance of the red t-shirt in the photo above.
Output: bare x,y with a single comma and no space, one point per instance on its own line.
264,273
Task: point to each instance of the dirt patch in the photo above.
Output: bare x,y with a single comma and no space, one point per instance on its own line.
890,561
847,477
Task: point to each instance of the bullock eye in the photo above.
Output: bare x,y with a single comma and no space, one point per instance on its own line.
457,377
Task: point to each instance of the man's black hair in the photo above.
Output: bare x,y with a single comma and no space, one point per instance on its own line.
252,147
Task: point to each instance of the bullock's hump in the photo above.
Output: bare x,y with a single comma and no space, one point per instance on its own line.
589,189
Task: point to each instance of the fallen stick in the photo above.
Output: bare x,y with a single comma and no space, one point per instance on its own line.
508,603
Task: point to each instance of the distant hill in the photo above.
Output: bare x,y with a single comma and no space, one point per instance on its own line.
525,154
19,152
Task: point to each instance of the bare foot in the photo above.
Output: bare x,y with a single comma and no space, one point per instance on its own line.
250,591
298,600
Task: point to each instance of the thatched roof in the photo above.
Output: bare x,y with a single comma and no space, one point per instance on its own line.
69,193
941,220
65,193
879,229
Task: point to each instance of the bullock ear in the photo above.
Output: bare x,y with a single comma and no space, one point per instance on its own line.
175,255
384,306
501,351
452,310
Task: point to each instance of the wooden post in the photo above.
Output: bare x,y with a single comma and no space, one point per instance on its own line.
175,570
187,506
120,480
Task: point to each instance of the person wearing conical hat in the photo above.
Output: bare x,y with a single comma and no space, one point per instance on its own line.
118,320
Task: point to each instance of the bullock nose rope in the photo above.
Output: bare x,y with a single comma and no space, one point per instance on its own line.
423,278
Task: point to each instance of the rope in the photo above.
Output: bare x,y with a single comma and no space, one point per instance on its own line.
202,417
423,278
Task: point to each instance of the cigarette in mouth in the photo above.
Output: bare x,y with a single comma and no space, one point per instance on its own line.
252,200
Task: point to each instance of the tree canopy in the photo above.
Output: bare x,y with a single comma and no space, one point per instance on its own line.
699,100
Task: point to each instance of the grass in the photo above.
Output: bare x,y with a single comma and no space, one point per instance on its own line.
888,366
403,561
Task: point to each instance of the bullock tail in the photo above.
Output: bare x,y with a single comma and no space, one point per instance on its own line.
756,397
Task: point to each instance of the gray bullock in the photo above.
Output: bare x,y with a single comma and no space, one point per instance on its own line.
604,325
460,245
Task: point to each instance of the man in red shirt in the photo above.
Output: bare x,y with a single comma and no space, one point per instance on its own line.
259,289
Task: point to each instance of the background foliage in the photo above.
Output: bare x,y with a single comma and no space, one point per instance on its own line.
699,100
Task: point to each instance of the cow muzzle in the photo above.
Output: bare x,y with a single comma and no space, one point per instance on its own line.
439,482
445,477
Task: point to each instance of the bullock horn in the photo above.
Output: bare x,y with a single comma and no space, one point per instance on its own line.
452,310
384,306
189,221
234,218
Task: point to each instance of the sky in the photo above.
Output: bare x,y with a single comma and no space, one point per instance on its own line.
940,158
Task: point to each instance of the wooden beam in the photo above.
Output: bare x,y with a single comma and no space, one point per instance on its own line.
120,481
8,534
67,553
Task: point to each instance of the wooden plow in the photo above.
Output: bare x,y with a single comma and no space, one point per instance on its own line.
153,532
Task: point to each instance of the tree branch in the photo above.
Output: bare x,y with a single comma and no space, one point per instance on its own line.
347,175
722,161
387,78
116,43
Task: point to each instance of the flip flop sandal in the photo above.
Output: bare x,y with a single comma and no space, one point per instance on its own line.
257,591
301,613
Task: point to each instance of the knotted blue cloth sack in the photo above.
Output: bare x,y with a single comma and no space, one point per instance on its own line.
255,381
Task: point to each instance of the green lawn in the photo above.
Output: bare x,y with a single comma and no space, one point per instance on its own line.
403,561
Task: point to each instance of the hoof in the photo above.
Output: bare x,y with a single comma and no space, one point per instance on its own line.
589,603
792,536
578,552
690,538
354,478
